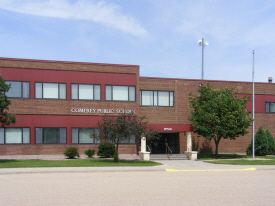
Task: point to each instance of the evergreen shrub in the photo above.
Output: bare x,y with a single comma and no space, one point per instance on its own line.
271,142
71,152
106,149
261,144
90,153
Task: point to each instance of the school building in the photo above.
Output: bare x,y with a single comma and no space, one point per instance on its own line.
57,102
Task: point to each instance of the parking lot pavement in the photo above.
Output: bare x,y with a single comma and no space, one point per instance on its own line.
139,188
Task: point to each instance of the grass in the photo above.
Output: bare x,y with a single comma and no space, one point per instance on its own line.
233,159
75,163
220,156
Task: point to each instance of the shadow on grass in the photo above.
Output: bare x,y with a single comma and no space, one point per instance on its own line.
75,163
220,156
8,161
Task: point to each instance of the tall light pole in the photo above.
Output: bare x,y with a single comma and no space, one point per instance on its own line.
253,110
203,44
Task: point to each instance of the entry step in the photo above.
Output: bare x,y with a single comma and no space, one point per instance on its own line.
171,157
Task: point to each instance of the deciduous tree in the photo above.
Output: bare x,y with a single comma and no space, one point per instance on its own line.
219,113
123,127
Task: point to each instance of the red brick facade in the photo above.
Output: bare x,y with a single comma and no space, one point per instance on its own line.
33,113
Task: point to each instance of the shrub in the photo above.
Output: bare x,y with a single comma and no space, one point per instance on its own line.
71,152
271,142
90,153
261,145
115,156
106,149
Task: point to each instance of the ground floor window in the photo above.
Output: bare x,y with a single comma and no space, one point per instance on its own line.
131,140
50,135
14,135
83,136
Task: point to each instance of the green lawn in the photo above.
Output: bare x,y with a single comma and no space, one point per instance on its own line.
220,156
234,159
75,163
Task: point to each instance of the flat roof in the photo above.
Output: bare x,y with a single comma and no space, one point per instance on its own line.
66,62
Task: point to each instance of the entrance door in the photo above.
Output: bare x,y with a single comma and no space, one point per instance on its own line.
158,146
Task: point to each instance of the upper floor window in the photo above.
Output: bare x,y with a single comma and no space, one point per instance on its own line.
85,92
14,135
120,93
18,89
270,107
50,135
156,98
50,91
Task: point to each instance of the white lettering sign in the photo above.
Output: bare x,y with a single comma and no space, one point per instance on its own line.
168,129
102,111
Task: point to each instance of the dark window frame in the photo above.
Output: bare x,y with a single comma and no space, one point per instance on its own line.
120,100
78,128
268,110
86,99
50,83
43,135
157,91
9,81
21,136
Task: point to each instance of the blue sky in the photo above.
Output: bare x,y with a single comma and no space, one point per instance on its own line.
160,36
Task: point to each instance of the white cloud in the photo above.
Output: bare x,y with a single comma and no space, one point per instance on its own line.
100,11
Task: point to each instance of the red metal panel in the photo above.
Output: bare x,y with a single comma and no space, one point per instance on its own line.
260,101
33,121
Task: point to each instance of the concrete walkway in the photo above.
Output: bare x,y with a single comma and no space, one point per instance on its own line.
172,165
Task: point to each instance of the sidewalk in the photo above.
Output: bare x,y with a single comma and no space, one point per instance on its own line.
175,165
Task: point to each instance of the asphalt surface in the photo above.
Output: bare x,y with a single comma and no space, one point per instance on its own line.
175,182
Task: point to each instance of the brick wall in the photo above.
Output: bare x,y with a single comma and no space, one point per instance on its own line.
67,66
58,113
180,112
155,115
56,149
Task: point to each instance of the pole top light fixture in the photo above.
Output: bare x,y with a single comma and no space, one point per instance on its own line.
200,43
203,44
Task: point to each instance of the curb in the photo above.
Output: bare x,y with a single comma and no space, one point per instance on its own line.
79,169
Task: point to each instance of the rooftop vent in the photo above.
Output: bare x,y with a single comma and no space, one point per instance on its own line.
270,79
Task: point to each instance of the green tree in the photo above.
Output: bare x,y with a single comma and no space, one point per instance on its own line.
5,117
270,142
123,127
261,143
218,113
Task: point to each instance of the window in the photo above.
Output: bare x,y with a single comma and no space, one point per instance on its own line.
18,89
270,107
156,98
50,91
120,93
14,135
132,140
50,135
82,136
85,92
